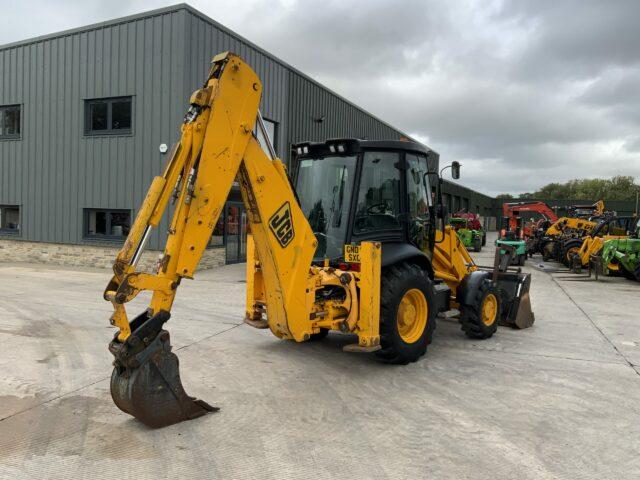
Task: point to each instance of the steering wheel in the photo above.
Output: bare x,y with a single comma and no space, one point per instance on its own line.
380,207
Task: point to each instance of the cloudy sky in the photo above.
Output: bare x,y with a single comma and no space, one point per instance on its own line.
523,93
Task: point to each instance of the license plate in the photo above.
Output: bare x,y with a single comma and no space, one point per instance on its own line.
352,253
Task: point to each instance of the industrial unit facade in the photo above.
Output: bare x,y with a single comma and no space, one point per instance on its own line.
87,118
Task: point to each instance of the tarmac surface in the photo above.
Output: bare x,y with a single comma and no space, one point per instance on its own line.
560,400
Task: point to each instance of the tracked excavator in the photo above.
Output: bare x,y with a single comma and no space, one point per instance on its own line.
514,211
359,246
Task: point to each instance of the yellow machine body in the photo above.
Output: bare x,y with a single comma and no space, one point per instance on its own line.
566,224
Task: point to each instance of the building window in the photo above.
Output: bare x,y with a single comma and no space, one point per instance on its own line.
10,121
107,224
271,128
10,219
108,116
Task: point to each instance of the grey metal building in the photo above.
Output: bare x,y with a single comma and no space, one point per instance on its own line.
83,115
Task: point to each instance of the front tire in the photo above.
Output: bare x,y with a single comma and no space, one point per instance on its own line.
407,314
480,319
569,249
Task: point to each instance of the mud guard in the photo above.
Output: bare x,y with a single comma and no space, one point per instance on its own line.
466,292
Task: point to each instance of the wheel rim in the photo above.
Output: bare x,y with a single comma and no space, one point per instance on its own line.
489,309
571,252
412,315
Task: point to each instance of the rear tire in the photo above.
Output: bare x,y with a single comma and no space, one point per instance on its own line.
480,320
399,284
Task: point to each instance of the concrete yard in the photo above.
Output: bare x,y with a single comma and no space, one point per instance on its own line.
558,401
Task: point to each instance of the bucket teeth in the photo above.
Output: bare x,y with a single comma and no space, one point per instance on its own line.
146,384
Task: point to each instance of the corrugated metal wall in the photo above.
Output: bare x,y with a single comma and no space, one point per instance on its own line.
310,102
55,171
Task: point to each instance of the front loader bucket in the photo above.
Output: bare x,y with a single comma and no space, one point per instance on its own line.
145,382
516,303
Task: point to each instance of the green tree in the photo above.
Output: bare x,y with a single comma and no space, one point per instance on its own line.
621,187
505,196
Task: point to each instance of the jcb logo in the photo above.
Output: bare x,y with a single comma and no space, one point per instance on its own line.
281,225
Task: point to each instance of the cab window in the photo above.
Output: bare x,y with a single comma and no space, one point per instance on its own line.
378,205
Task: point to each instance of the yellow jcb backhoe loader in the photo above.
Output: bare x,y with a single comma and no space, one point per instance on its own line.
354,248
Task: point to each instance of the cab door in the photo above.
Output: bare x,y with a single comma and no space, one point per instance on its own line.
419,200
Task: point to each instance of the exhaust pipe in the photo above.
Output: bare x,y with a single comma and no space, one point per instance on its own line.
145,382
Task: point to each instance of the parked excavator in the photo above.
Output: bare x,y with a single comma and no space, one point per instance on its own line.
360,246
514,212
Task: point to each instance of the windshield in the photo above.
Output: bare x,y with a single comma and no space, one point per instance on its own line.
324,187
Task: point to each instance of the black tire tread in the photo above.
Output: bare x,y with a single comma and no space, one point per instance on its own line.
470,315
391,277
566,247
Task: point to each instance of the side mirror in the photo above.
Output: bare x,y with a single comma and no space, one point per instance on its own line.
455,170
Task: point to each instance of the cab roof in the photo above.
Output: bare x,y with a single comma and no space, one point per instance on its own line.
355,145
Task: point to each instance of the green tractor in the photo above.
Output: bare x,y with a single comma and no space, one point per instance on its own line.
468,236
623,255
513,238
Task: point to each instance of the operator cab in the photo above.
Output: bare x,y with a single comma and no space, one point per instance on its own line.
616,226
355,190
